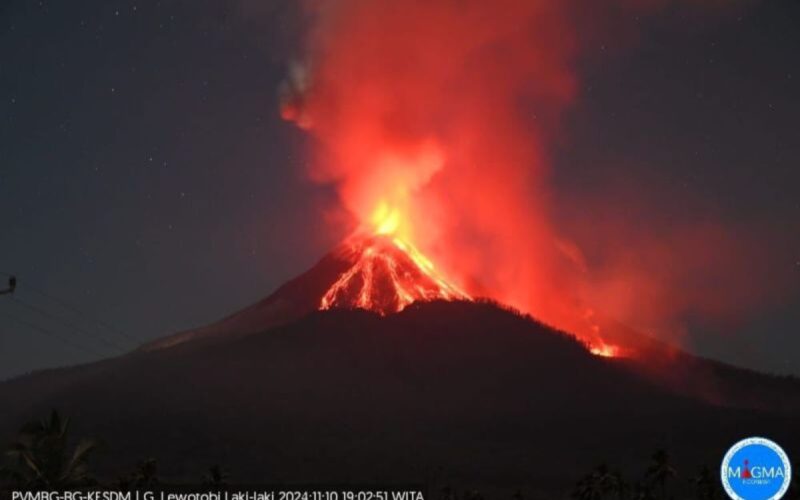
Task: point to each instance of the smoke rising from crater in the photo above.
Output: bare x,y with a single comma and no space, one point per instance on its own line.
446,111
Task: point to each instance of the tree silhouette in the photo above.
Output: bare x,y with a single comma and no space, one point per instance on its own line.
146,474
595,485
619,486
216,477
642,491
39,457
705,484
472,495
660,472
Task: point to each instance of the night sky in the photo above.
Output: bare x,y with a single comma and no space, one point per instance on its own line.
148,184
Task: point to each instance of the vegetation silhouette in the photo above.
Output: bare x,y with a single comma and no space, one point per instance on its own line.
40,459
705,484
605,484
216,477
660,472
598,484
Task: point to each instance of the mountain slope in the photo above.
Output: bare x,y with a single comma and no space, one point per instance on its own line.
292,300
375,272
490,398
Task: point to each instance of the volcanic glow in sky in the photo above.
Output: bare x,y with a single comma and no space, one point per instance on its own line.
431,119
434,121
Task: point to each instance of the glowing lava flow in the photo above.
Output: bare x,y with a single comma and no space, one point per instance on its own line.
604,350
386,275
596,345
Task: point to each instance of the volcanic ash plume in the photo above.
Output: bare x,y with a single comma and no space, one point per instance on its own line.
432,120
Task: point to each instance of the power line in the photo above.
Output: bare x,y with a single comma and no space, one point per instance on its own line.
89,347
66,305
50,333
77,311
74,327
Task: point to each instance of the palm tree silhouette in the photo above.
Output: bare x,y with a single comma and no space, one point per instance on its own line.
619,485
595,485
146,474
39,457
660,472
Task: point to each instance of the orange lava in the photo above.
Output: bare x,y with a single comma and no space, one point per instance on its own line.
604,350
387,275
387,272
434,122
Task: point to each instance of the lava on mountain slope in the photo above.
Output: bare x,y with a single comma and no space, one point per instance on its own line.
384,273
387,274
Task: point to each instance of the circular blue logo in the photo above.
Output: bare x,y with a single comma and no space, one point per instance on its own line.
756,469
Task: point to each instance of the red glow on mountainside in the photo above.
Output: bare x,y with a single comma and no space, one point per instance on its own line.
387,273
604,350
435,121
431,120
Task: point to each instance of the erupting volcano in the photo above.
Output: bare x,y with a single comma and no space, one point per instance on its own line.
386,275
436,124
386,271
436,147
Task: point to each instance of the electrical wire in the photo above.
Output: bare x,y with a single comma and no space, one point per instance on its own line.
86,316
44,331
63,322
25,286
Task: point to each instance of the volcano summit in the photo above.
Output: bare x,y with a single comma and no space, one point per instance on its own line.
377,272
386,275
372,367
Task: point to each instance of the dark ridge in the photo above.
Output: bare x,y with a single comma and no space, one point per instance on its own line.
476,391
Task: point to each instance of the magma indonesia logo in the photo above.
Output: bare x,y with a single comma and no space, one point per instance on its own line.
756,469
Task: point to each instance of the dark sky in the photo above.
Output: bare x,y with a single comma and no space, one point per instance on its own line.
148,184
